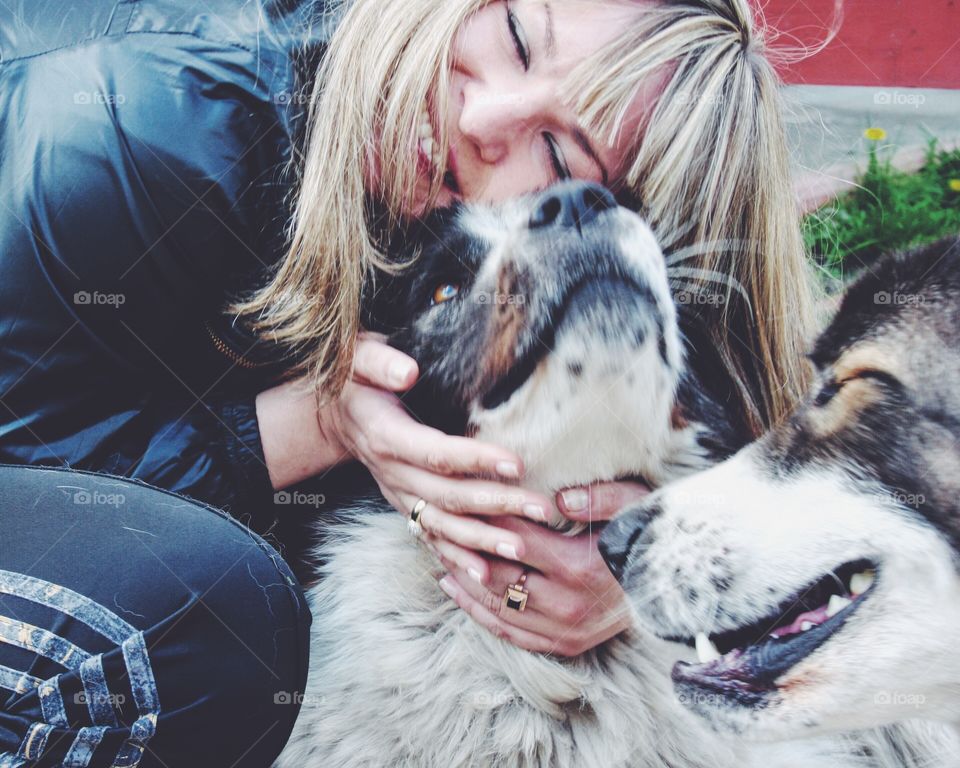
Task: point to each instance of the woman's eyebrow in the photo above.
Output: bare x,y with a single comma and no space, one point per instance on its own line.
549,33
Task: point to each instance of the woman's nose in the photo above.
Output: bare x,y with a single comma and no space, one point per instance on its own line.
493,119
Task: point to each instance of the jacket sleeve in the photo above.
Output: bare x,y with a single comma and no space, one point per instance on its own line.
142,186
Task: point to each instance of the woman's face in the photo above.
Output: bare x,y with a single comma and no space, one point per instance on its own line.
510,132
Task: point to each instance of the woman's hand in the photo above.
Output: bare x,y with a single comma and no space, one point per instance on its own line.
574,602
410,461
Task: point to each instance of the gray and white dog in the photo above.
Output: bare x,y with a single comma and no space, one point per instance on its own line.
546,326
818,570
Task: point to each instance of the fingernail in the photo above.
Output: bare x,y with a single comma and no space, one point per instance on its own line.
474,574
508,469
535,512
399,372
507,551
575,499
446,584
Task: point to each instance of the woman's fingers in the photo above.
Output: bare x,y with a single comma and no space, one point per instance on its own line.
492,622
385,430
599,502
470,497
455,557
573,561
573,622
380,365
467,532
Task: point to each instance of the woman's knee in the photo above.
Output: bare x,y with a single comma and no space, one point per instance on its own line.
223,621
232,661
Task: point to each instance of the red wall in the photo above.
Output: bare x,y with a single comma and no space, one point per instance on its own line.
907,43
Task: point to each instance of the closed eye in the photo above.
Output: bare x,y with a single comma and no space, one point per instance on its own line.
519,38
560,167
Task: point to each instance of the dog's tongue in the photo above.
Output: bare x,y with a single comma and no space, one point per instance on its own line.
809,618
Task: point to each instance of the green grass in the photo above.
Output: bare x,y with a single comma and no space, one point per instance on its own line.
891,210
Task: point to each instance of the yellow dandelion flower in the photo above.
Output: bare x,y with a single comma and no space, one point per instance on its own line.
954,184
875,134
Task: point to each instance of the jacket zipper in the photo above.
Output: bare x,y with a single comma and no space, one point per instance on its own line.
235,357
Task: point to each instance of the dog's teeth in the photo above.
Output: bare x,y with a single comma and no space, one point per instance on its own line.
837,604
706,650
805,625
861,582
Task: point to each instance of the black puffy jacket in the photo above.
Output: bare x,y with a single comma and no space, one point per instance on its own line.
144,147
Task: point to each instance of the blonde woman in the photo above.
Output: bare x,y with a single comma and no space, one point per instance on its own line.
674,104
150,153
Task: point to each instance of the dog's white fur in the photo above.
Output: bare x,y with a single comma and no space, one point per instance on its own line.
893,659
402,677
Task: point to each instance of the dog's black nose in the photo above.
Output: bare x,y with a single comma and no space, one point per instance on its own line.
571,204
617,539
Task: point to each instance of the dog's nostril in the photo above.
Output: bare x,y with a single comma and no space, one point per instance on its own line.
598,199
546,212
615,543
618,538
571,204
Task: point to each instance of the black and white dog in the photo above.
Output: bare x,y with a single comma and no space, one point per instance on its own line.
818,570
546,326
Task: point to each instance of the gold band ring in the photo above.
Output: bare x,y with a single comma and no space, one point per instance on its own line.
413,524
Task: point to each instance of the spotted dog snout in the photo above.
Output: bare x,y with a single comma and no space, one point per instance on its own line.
571,205
620,535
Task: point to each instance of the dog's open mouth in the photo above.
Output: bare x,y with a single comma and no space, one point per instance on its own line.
594,290
742,665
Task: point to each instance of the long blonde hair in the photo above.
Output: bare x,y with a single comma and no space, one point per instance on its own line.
711,169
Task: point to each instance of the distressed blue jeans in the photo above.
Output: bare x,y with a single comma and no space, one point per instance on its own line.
140,628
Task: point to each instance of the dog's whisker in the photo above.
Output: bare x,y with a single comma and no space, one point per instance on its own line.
698,249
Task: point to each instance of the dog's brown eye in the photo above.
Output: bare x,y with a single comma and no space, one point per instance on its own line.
445,292
826,394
